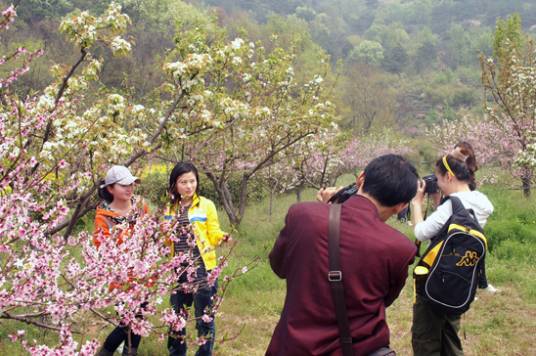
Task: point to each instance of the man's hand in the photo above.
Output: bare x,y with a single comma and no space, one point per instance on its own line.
324,194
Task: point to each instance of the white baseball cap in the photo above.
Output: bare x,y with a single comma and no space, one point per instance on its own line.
120,175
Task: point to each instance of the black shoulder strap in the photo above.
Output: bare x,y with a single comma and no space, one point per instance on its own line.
335,279
457,205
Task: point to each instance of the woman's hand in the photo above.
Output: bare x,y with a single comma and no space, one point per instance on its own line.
417,203
419,196
324,194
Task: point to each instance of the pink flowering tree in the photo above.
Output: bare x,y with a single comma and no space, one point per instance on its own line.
492,147
52,144
312,162
320,159
358,151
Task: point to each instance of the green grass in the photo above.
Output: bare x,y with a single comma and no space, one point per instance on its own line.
500,324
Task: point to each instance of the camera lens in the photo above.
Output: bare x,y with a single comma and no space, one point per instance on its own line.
431,184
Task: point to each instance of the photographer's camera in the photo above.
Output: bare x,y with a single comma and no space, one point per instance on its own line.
431,184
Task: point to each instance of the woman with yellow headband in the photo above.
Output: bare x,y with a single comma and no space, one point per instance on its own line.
434,333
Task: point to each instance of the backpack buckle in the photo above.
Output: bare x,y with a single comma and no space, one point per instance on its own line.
334,276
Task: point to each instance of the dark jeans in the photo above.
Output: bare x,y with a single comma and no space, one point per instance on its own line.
433,333
201,300
117,336
120,334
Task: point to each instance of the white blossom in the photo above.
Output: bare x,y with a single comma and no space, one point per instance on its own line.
237,43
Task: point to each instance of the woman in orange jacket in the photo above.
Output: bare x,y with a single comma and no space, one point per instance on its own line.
118,206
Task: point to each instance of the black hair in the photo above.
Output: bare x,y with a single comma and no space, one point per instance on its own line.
462,162
390,179
179,169
466,149
104,194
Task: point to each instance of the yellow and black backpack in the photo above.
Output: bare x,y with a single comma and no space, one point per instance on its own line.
447,274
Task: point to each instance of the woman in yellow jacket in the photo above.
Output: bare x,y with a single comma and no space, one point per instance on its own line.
197,234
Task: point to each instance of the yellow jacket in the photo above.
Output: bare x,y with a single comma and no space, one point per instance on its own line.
206,228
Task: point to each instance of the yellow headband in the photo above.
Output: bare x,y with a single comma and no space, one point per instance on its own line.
446,164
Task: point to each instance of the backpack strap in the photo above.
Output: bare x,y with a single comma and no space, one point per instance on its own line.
335,279
457,205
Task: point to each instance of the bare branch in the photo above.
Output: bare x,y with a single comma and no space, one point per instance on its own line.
5,315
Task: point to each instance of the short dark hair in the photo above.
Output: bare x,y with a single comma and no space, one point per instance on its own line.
103,192
390,179
179,169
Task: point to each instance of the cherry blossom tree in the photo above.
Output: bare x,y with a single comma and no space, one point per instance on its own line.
491,145
320,159
52,144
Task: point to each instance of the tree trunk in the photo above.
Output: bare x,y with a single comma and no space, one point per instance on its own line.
271,206
526,178
298,194
234,217
226,199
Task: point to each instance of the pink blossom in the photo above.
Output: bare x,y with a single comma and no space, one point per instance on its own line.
206,318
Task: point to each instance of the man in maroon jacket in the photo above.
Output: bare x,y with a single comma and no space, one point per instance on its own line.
374,259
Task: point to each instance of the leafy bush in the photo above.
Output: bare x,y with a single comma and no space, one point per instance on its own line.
256,189
503,231
154,188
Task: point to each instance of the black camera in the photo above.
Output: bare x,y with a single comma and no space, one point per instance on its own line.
431,184
342,195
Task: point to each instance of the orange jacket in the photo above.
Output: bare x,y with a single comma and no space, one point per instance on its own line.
104,221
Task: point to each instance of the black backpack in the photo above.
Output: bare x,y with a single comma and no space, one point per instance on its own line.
447,274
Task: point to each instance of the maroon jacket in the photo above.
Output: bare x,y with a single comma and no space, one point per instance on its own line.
374,260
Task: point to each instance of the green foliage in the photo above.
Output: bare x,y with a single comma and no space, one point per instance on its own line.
511,224
412,38
256,189
367,52
508,37
154,188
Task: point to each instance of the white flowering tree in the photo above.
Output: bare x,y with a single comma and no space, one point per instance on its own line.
509,81
252,102
89,132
